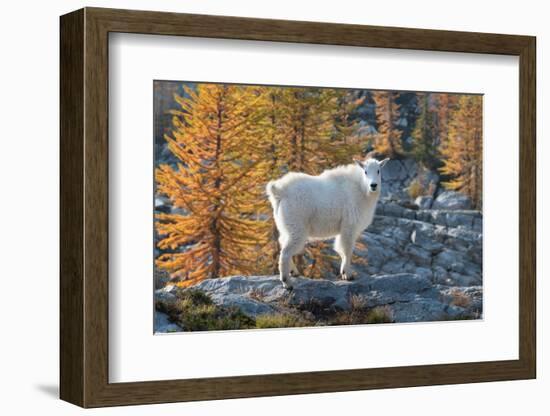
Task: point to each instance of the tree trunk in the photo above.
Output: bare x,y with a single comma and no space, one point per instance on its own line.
216,245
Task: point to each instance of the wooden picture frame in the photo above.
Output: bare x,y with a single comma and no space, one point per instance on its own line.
84,207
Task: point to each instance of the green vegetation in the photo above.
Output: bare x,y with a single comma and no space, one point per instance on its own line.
380,315
425,133
194,310
281,321
361,314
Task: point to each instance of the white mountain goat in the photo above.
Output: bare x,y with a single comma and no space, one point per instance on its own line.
339,203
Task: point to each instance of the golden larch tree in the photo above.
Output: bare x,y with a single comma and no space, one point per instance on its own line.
314,133
306,121
275,151
446,104
218,184
229,142
462,150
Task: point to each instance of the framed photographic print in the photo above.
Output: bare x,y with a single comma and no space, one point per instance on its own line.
293,207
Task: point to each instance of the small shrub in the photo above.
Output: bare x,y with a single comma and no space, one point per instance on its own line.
196,297
196,311
460,299
415,189
359,313
281,321
347,318
356,314
357,302
467,316
314,306
380,315
212,318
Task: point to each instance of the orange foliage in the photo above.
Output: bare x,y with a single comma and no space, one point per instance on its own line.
462,150
218,184
230,141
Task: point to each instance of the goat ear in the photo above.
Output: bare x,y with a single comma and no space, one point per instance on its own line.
383,162
359,163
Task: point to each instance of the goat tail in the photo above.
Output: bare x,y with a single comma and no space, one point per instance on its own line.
274,194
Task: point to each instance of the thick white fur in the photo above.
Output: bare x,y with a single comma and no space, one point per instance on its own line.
339,203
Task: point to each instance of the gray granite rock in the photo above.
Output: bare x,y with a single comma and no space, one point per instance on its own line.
162,323
412,297
424,201
452,200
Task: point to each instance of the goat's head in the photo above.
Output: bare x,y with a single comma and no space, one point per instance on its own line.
372,173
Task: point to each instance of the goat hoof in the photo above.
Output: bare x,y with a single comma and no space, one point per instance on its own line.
346,277
286,284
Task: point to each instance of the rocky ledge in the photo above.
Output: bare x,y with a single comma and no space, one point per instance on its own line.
402,297
445,246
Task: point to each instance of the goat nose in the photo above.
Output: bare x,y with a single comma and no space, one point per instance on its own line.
373,186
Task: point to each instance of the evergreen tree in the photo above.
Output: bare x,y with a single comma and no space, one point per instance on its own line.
345,142
388,139
424,134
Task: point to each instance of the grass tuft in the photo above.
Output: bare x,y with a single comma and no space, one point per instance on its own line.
359,313
380,315
196,311
415,189
281,321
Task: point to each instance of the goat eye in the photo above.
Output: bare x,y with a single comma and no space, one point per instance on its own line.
379,171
